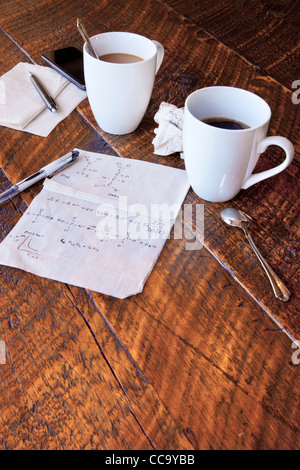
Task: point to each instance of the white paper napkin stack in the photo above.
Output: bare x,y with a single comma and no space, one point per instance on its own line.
22,108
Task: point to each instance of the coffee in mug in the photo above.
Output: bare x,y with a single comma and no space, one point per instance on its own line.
219,160
225,123
120,58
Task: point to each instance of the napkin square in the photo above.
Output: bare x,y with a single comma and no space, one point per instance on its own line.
22,108
100,224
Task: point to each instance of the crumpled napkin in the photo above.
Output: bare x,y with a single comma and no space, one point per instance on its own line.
22,108
168,138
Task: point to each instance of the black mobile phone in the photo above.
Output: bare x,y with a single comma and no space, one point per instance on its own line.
68,62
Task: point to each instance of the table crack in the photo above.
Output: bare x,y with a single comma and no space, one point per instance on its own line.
108,363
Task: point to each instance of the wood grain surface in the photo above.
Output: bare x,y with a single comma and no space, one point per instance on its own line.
202,358
264,32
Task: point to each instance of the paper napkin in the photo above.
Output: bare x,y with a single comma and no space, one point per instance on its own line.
22,108
168,137
99,224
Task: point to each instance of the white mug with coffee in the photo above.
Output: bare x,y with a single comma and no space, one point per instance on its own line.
224,133
119,85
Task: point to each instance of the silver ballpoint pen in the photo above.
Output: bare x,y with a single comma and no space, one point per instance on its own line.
47,171
48,100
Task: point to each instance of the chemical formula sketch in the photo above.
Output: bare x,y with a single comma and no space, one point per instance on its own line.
104,176
111,177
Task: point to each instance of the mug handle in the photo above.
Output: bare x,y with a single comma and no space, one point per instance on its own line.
160,54
282,142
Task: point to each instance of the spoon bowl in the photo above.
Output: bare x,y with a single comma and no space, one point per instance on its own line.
237,218
234,217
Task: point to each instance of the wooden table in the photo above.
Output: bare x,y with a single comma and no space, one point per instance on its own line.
203,357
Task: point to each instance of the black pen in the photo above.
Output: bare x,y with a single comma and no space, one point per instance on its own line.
49,170
48,100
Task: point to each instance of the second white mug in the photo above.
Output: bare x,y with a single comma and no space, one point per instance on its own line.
119,93
219,161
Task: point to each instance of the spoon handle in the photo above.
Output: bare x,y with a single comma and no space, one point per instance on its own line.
280,291
84,34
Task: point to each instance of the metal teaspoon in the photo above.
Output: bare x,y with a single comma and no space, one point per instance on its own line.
84,34
236,218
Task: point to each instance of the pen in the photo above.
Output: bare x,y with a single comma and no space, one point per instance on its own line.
48,100
47,171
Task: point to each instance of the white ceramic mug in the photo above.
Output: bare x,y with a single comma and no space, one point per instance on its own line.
119,94
220,162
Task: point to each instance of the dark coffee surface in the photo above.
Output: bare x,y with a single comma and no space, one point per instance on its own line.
225,123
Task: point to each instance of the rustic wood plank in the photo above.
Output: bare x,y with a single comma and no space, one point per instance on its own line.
229,356
266,33
58,392
193,361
